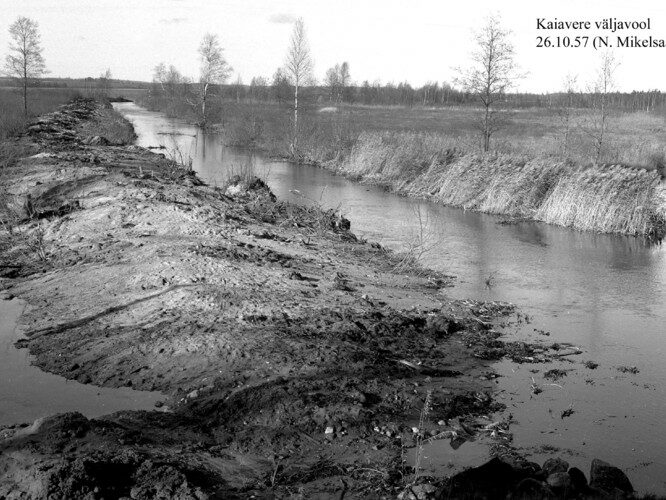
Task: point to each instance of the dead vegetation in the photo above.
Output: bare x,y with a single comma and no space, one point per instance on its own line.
602,198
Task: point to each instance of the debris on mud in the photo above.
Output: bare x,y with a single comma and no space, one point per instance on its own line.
555,374
628,369
568,412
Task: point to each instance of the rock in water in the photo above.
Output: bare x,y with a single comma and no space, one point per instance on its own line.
494,479
553,465
531,488
578,479
559,481
607,477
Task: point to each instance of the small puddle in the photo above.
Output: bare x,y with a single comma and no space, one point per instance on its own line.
441,458
27,393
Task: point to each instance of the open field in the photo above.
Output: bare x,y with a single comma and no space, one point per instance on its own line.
633,139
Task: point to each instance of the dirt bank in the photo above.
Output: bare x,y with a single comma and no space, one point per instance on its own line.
297,358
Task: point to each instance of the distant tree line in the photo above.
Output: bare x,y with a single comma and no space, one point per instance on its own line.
435,94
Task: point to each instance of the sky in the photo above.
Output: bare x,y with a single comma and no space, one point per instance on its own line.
386,40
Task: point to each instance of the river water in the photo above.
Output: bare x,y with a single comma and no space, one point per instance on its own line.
605,294
28,393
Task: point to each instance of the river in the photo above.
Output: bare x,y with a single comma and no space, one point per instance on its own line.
605,294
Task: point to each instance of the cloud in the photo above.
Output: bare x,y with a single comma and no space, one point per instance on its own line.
282,18
173,20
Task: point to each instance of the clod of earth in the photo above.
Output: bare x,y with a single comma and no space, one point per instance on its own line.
555,374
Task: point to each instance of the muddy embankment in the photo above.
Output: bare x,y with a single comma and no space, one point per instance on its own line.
299,360
601,198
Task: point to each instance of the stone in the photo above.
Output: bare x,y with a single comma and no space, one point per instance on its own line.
606,477
494,479
578,479
531,488
555,465
559,481
423,491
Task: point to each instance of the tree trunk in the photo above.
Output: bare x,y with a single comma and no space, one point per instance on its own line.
25,97
294,143
486,130
203,105
25,88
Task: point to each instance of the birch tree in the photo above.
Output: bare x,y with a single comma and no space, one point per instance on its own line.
491,74
565,113
601,88
214,70
344,81
331,80
298,66
104,84
25,61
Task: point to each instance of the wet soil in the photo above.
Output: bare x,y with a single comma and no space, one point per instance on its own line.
298,359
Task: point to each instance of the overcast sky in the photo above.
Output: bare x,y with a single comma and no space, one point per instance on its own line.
386,40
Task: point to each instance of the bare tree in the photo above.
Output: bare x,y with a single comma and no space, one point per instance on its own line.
104,83
169,79
238,88
345,80
214,70
565,113
298,66
491,74
331,80
337,80
259,88
601,88
172,87
25,60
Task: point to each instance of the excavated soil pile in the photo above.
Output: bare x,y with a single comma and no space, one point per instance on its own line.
297,358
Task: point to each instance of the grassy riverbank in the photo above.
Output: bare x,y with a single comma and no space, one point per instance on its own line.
433,153
604,198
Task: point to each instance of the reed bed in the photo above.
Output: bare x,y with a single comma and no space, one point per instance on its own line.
603,198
